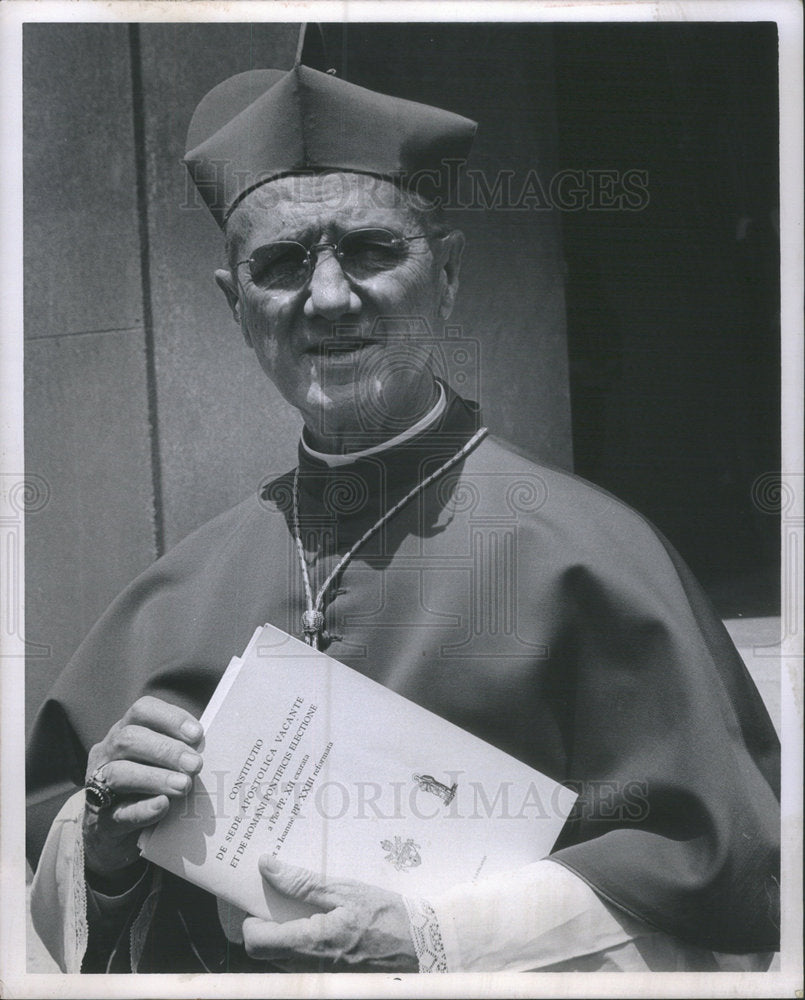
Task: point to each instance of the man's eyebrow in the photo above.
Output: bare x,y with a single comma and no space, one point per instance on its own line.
305,234
370,221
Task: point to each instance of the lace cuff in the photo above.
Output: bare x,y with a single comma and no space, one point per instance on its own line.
79,930
59,903
426,935
58,893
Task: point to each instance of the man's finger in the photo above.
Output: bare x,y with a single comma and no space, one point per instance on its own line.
126,817
126,777
311,937
300,883
137,743
162,717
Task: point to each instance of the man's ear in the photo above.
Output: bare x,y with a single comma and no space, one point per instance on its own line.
452,247
228,286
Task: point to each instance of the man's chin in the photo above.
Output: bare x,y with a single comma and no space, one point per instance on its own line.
358,408
337,406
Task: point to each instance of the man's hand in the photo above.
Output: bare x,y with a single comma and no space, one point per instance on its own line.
363,929
147,759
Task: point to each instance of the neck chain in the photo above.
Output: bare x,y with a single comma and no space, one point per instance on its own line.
313,620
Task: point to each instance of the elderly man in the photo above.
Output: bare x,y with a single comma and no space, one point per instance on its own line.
513,600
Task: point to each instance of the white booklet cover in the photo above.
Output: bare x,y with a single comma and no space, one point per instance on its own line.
310,761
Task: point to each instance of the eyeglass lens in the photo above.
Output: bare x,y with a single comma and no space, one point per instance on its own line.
287,265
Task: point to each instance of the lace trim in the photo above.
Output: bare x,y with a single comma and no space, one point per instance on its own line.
78,925
426,935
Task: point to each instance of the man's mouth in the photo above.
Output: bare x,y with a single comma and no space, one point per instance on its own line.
339,349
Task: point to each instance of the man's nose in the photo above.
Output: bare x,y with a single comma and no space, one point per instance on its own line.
331,295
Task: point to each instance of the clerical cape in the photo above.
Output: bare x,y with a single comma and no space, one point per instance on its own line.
519,602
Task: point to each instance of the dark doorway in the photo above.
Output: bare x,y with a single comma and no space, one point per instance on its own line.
673,309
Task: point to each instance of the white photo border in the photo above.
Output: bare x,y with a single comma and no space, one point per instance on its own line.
15,981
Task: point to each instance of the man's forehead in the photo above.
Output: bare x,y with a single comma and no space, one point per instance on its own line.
317,200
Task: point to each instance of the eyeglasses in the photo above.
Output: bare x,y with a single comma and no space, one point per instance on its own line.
287,265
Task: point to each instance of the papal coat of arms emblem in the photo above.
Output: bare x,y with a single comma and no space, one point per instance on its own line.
403,854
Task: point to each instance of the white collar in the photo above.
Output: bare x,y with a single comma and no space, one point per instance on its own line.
430,417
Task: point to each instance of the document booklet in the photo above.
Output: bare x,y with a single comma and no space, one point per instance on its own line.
309,761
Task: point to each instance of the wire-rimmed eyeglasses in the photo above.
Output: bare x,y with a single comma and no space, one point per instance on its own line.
288,265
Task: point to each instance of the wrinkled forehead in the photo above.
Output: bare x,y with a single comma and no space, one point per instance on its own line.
336,200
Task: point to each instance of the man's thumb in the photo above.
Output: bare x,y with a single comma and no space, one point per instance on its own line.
298,883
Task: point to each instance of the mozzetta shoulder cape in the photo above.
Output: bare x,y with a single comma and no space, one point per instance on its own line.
518,602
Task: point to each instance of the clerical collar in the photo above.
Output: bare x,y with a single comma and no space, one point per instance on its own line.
382,477
334,460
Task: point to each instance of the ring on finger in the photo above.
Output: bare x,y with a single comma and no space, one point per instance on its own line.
97,792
